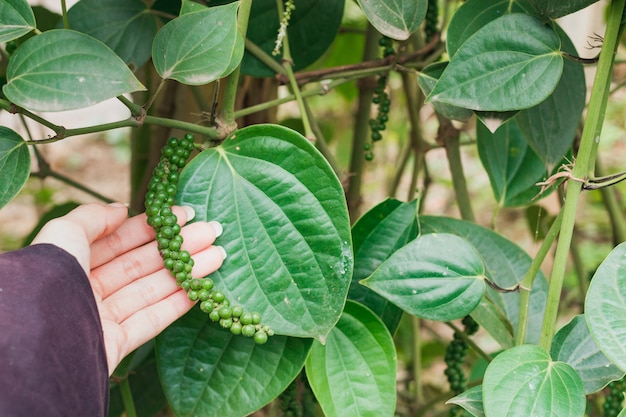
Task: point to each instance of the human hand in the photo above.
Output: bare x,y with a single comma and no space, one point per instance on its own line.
137,298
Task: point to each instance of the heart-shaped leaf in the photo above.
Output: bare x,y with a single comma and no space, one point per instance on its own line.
513,167
497,67
471,400
396,19
16,19
65,70
125,26
574,345
14,164
354,374
524,381
286,227
506,265
605,306
207,371
423,280
198,48
376,235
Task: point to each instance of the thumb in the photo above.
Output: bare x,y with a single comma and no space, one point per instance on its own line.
78,229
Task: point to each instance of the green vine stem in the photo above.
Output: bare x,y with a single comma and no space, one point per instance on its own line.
287,63
618,223
66,21
264,57
583,167
527,283
232,81
449,136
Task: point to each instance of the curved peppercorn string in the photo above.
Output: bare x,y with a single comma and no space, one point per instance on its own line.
160,198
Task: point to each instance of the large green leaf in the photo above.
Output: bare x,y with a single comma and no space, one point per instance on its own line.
513,167
605,306
376,235
313,26
524,381
552,9
14,164
512,63
286,227
354,373
126,26
436,276
206,371
506,264
16,19
198,48
574,345
550,127
65,70
471,400
396,19
472,15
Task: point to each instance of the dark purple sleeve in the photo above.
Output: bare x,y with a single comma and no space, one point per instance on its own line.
52,357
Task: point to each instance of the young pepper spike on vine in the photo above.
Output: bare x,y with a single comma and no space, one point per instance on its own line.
160,198
284,24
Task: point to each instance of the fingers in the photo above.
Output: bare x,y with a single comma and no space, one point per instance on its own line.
144,325
150,291
145,260
131,234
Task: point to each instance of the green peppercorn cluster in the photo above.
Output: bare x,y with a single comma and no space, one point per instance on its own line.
160,198
455,355
382,100
615,397
431,21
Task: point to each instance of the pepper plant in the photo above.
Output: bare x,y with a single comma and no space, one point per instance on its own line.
337,281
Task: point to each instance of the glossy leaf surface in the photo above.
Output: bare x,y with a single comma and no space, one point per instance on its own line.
376,235
286,227
66,70
312,29
505,263
396,19
207,371
574,345
524,381
198,48
354,374
14,164
513,167
471,400
16,19
423,280
498,67
126,26
550,127
605,306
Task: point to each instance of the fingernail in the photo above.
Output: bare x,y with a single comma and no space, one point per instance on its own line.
217,226
223,252
118,204
191,213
